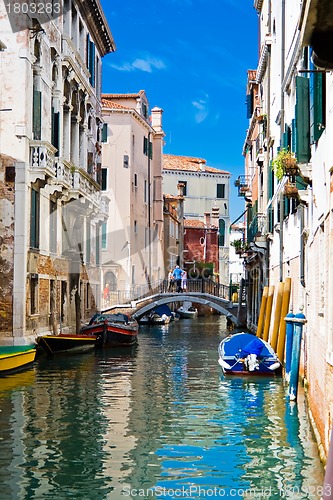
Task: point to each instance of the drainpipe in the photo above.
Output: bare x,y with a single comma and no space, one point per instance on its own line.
302,249
283,21
149,212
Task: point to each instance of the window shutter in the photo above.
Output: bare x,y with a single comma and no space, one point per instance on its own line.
249,105
55,130
317,110
270,191
302,119
151,150
145,146
37,115
221,232
92,63
293,135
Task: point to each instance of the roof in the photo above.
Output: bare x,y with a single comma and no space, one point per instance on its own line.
113,105
123,96
196,224
188,164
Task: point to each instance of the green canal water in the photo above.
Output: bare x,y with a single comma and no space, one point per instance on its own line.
157,421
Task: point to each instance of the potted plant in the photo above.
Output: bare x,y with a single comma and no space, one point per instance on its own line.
290,190
284,163
238,245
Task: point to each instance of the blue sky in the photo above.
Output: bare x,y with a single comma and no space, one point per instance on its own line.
191,57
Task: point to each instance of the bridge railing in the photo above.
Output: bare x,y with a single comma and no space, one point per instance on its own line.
139,292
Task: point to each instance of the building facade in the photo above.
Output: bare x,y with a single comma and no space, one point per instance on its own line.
51,206
290,98
132,239
204,188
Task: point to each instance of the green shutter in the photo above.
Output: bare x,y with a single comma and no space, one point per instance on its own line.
221,232
302,120
37,115
92,63
317,111
249,105
293,135
151,150
145,146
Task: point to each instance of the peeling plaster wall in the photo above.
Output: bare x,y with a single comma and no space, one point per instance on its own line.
6,248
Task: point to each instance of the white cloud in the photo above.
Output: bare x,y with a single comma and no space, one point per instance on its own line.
147,65
201,108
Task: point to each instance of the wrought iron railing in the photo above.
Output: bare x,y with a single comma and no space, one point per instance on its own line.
136,293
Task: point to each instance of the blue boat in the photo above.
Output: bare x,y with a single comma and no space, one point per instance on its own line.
246,354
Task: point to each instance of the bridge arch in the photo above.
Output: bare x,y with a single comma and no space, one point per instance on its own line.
221,305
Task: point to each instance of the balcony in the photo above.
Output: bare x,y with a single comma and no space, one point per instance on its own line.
243,184
42,161
85,187
257,228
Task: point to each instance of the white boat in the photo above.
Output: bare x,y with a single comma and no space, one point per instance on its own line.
189,312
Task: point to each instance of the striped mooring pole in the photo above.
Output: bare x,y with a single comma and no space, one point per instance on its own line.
298,322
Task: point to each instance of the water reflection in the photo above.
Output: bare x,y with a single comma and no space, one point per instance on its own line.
161,416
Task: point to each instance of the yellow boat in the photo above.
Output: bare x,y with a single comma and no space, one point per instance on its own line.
14,358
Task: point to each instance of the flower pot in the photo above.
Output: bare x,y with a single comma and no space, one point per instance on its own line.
290,190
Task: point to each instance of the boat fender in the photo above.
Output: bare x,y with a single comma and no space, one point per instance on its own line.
275,366
224,364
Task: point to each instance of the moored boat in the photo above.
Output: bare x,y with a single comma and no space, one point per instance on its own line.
161,315
67,343
115,329
246,354
15,358
187,312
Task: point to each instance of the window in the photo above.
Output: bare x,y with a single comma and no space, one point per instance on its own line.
90,60
34,294
221,232
98,245
104,240
88,236
105,132
37,115
55,129
145,194
104,184
53,226
184,187
126,161
144,109
135,180
147,148
220,191
135,227
34,219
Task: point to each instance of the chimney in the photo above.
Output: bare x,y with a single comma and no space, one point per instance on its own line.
202,165
215,216
207,219
156,119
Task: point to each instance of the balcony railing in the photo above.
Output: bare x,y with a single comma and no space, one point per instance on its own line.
42,160
258,227
243,183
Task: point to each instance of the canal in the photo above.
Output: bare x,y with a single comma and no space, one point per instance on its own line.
157,421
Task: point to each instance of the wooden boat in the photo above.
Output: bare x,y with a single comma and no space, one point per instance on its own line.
15,358
115,329
66,343
246,354
187,312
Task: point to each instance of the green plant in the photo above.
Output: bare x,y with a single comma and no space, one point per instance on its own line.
284,163
238,244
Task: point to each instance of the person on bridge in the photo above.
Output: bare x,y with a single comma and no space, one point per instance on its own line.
184,281
177,274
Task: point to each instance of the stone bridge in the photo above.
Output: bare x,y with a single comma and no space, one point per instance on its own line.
221,305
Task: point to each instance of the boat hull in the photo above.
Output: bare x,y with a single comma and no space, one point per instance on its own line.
245,354
185,313
13,359
66,343
113,330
